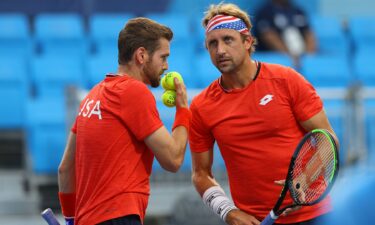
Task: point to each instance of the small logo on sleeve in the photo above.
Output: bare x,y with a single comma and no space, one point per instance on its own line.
266,99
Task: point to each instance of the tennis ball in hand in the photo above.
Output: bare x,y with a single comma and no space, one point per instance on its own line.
167,82
169,98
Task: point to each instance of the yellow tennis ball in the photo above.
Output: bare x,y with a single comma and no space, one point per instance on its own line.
169,80
163,85
169,98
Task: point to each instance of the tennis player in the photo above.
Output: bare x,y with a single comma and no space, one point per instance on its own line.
257,113
105,170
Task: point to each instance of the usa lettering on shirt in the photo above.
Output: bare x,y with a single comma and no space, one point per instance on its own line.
89,108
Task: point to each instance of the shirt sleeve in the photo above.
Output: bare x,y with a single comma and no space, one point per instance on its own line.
200,137
304,100
139,112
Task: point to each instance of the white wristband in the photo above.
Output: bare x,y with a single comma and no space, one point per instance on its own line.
215,198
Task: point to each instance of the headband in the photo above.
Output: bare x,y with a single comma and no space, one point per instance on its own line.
227,22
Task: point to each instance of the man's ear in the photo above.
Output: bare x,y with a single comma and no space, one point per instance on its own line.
249,42
141,55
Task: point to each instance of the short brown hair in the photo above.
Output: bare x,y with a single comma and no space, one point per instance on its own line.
140,32
229,9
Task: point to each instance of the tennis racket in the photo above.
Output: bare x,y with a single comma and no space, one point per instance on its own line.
49,217
312,171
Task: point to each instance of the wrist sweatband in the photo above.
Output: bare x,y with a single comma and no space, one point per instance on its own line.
183,116
215,198
68,203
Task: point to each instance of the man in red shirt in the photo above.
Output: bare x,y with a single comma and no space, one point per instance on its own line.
257,113
105,170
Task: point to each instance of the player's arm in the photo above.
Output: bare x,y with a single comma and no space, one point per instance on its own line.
168,149
319,121
212,194
66,180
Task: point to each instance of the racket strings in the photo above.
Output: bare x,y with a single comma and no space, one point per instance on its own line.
313,169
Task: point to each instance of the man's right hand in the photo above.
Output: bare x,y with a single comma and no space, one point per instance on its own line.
181,95
238,217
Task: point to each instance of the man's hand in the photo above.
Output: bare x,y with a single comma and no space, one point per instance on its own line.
290,210
238,217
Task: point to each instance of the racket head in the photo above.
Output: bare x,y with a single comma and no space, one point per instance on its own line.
313,168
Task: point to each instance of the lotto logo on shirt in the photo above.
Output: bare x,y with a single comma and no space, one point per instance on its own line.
90,108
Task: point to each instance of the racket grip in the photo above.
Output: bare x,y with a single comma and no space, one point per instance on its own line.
270,219
49,217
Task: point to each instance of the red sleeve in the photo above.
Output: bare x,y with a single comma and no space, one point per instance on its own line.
139,112
304,100
200,137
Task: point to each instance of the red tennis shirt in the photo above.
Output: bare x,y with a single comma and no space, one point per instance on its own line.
257,130
113,164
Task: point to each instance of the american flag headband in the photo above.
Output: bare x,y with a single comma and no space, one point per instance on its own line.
226,22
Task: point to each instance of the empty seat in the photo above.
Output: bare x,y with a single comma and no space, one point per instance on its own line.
45,134
15,35
362,30
364,68
273,57
370,128
105,29
14,92
98,66
205,72
330,35
61,34
180,25
53,75
326,70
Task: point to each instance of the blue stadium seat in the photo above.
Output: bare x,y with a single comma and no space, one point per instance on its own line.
205,72
15,39
45,134
273,57
52,75
370,128
362,30
181,60
59,34
330,35
98,66
180,25
363,67
105,29
14,90
326,70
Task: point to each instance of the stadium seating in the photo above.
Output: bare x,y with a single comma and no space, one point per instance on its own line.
58,34
15,37
273,57
52,75
363,67
327,70
330,35
104,31
98,66
206,72
362,32
45,134
369,109
14,91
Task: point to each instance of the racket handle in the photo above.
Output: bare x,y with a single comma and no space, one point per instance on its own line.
49,217
270,219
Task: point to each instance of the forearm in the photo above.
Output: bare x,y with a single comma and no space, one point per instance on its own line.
273,41
202,182
180,136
